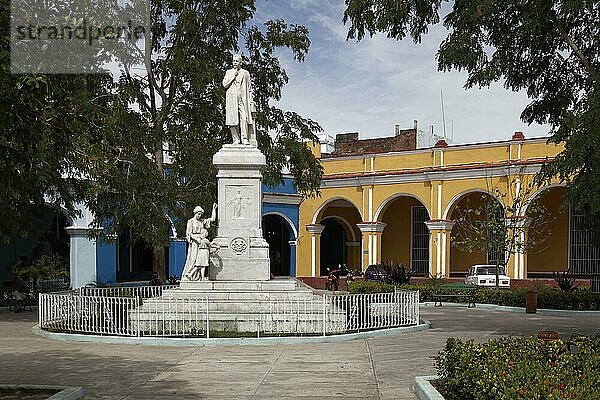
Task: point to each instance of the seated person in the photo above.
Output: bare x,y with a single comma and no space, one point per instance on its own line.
155,281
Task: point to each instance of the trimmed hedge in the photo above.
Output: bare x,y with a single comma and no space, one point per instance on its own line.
363,286
518,368
549,297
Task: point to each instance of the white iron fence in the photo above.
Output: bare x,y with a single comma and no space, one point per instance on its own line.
123,313
71,312
144,292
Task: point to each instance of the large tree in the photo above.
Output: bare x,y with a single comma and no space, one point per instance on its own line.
177,99
45,122
103,139
503,222
550,49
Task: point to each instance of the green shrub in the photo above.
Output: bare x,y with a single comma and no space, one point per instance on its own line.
397,272
45,266
436,280
425,290
565,281
504,297
363,286
581,298
513,368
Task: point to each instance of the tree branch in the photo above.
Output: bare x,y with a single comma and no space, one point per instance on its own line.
594,75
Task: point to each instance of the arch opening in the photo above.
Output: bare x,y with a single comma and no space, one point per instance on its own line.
340,239
549,236
135,258
471,211
405,238
333,245
278,233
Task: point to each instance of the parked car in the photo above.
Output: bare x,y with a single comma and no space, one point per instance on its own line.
485,275
376,272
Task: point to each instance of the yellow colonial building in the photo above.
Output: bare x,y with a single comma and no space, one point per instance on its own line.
396,199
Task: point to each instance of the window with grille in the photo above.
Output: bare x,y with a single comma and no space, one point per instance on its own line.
420,240
495,255
584,255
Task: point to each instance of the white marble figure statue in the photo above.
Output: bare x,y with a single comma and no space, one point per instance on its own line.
205,248
239,104
193,235
239,204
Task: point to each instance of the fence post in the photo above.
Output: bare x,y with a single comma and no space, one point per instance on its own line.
207,324
416,297
40,310
324,316
137,310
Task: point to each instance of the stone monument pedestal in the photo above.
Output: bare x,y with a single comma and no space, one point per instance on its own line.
243,253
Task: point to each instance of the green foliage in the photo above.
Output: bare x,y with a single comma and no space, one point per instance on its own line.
91,138
494,223
45,123
398,273
362,286
549,49
577,165
426,290
45,266
514,297
565,281
180,101
436,280
581,298
548,297
513,368
113,132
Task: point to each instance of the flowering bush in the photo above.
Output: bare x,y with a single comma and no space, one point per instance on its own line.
519,368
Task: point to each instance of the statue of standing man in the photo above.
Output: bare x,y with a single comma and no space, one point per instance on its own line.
239,105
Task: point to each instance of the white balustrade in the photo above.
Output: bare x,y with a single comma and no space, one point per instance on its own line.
140,311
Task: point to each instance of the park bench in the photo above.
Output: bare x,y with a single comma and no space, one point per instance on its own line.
575,341
19,301
455,290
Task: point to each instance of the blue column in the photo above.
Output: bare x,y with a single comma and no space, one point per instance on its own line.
106,262
177,251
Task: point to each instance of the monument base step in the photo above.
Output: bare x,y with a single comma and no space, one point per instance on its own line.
228,295
232,324
254,286
242,306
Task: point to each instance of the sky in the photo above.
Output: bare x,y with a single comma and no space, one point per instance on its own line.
369,86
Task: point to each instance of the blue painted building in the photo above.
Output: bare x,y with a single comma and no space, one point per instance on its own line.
116,261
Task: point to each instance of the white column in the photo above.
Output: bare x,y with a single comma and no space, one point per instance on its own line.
82,260
371,233
439,231
315,231
518,226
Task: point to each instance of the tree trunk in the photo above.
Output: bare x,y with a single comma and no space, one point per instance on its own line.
158,262
497,272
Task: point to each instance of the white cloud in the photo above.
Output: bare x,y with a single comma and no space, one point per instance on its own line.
371,85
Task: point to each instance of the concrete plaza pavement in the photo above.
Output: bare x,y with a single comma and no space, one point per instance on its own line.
376,368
